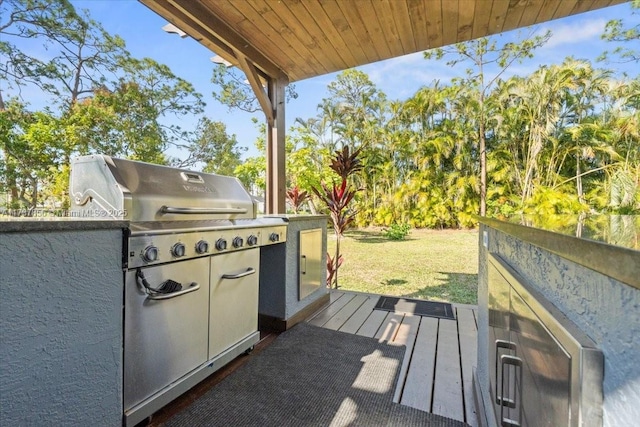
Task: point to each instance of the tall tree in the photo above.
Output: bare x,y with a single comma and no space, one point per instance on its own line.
212,146
617,32
488,62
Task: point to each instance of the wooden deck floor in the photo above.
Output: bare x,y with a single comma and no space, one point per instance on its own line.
436,371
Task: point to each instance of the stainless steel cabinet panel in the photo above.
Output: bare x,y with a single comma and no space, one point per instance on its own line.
543,370
545,373
499,342
310,262
164,339
234,298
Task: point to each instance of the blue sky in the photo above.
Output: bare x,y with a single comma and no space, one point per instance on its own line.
399,78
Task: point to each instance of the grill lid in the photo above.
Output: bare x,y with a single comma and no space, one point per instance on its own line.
101,185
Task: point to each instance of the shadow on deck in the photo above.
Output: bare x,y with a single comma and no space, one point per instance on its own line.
436,373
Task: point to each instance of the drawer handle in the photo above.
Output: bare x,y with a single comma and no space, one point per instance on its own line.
165,290
517,363
249,271
192,288
500,399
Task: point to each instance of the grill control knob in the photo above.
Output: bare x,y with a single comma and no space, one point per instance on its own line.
178,250
252,240
238,242
221,244
150,253
202,247
274,237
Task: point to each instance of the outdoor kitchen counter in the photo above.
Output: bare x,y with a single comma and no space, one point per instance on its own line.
31,224
589,268
61,321
608,244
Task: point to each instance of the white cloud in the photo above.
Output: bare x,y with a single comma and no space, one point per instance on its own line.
576,32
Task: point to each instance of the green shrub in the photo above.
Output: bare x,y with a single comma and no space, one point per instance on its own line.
397,231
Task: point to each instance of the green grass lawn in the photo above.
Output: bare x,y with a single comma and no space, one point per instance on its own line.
439,265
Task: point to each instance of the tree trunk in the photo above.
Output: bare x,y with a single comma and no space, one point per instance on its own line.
579,179
483,169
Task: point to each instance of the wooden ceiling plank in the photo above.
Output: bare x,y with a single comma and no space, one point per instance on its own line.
582,6
199,14
370,19
466,12
564,8
434,22
284,33
267,40
481,19
334,37
312,37
225,10
354,22
344,28
450,21
514,14
547,11
418,15
387,22
530,13
403,24
498,15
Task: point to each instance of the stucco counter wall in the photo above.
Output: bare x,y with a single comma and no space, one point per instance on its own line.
61,323
279,297
606,308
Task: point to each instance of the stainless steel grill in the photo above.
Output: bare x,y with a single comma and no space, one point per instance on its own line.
191,261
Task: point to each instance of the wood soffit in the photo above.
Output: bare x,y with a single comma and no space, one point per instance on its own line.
293,40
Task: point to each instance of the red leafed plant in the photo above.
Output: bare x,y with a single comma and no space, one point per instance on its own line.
337,197
297,198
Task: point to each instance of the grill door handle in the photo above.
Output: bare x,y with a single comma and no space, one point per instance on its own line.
508,345
249,271
194,211
192,288
517,363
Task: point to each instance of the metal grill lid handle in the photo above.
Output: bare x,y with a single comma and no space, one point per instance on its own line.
193,211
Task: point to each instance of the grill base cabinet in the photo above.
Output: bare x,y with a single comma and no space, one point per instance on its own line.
171,345
543,371
293,276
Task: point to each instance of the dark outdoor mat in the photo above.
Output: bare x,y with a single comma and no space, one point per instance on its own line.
415,306
310,376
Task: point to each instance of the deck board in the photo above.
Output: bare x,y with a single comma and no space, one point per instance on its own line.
345,312
356,321
447,386
373,323
467,332
435,374
406,336
389,327
419,383
325,315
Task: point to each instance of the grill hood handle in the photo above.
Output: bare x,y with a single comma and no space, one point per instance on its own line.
191,211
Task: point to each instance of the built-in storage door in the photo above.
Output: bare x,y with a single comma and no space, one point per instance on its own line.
165,335
500,344
234,298
542,369
310,262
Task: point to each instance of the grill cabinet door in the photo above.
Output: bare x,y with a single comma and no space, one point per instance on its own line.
164,339
234,298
